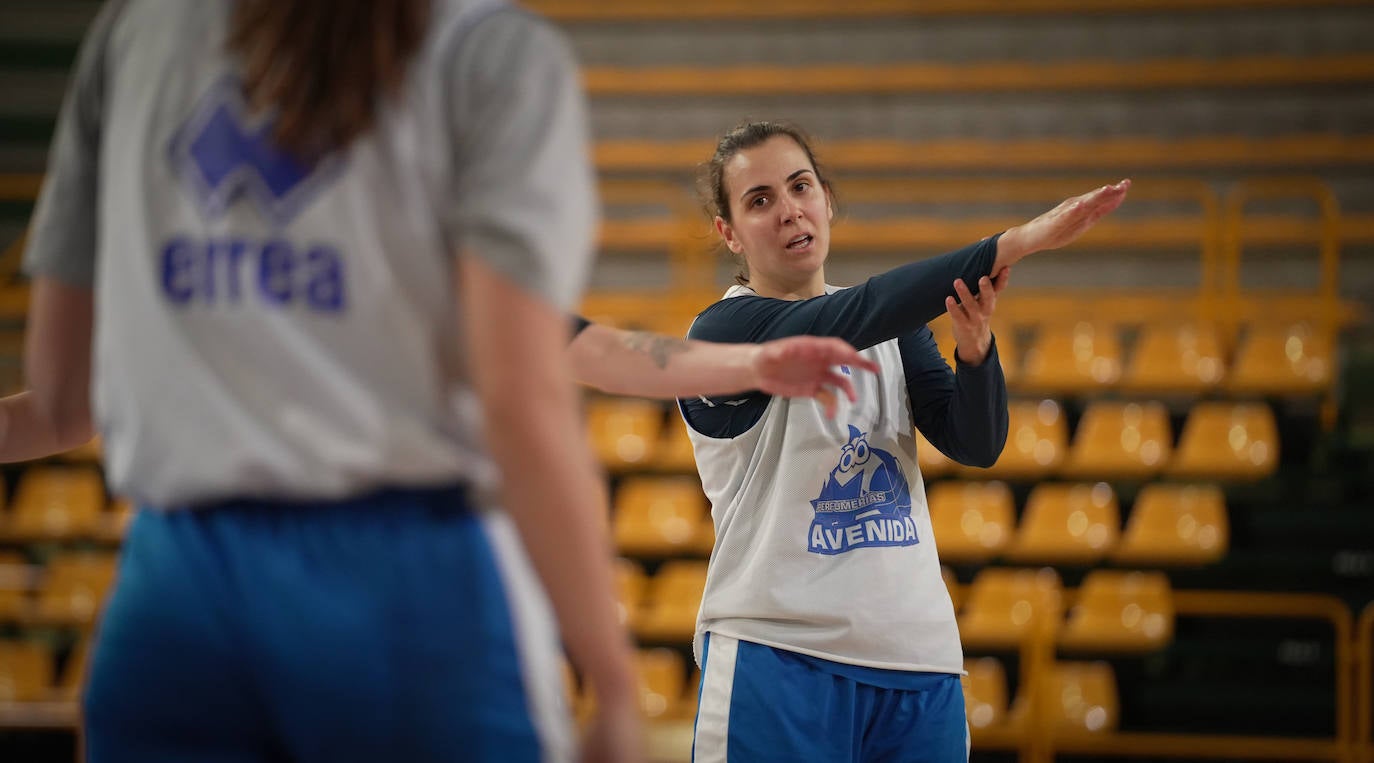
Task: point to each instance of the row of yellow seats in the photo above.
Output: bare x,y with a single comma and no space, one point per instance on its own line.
1075,697
62,502
1063,523
1113,440
1112,611
661,608
68,591
1166,359
666,692
28,672
1128,440
1079,523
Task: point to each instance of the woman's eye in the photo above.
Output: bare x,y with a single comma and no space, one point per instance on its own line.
802,186
759,201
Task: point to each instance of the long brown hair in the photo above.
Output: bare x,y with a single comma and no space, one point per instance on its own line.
323,65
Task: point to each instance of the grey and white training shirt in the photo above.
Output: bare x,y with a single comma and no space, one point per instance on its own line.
268,329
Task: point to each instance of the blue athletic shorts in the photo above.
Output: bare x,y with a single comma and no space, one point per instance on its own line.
401,626
758,703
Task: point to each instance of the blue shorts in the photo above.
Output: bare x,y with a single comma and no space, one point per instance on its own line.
758,703
401,626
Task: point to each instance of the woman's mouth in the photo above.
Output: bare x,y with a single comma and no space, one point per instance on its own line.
799,243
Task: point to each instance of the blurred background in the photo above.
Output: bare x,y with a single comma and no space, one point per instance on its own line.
1174,557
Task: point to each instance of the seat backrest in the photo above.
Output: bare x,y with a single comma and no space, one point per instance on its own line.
1012,596
1121,439
1077,522
630,585
1081,697
1037,439
1073,358
26,671
623,433
57,499
660,514
1177,523
1175,358
971,520
1282,359
678,583
985,692
662,673
1229,441
1124,605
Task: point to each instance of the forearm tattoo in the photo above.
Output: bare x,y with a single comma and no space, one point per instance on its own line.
657,346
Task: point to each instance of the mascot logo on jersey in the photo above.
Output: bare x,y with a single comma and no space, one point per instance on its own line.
865,502
224,153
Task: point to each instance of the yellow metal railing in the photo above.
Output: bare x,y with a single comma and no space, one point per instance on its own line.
1364,689
1036,742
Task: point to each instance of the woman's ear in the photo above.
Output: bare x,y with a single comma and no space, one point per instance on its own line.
727,234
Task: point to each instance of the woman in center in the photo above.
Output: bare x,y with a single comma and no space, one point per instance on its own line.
825,631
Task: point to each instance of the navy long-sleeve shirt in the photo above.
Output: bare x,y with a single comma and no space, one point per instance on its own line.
963,413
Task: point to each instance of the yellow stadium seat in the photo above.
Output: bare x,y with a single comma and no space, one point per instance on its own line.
1175,359
1283,360
73,679
658,516
952,585
56,503
1119,611
1037,439
687,706
1067,524
985,693
674,450
26,671
930,460
1175,525
88,453
943,332
1119,441
630,583
114,523
74,588
1080,698
1002,606
14,584
1227,441
1084,357
669,611
972,521
624,432
662,674
1009,353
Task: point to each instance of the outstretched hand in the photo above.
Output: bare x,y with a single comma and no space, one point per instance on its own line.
805,366
1062,225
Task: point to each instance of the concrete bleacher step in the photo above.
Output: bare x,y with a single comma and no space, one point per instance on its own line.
966,38
1171,114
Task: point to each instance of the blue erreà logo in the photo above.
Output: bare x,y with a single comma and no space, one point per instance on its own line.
864,502
224,154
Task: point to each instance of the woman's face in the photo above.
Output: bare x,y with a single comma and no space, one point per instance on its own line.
780,214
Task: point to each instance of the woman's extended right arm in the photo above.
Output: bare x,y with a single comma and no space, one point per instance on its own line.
904,299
